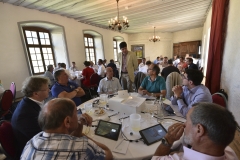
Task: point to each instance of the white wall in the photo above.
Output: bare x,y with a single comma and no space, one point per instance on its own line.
230,78
188,35
13,63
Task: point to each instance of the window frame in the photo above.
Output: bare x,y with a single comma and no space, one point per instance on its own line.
40,46
115,41
90,47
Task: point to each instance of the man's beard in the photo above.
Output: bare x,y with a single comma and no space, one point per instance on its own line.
188,139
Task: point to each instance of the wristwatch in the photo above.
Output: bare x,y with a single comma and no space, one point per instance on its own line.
165,142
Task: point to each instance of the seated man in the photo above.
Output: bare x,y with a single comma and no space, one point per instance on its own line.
62,136
114,67
109,84
49,75
190,64
24,119
143,67
63,88
153,85
169,69
191,92
164,63
73,67
209,129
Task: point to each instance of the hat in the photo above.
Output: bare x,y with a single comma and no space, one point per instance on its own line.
122,45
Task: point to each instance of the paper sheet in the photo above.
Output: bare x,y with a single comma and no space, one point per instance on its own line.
121,147
134,101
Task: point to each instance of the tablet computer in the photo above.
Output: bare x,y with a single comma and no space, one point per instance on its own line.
168,110
108,129
153,134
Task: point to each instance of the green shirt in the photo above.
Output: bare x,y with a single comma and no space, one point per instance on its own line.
155,86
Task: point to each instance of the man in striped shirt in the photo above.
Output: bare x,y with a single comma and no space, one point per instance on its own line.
62,136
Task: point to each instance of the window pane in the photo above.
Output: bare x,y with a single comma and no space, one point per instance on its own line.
46,35
43,41
47,41
34,63
44,50
40,63
34,34
45,56
39,57
49,50
29,41
31,50
41,69
37,50
41,34
86,43
33,57
36,70
87,58
35,40
90,44
46,62
51,62
28,33
50,56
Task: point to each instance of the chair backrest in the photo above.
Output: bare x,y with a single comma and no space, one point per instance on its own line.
13,89
138,79
173,79
7,139
6,101
94,79
219,99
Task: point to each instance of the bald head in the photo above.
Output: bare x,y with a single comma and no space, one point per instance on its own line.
109,72
54,112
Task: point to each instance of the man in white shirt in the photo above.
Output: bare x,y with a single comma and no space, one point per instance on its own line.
49,75
209,129
144,68
101,69
73,67
109,84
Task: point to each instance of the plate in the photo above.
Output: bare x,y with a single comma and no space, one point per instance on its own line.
99,113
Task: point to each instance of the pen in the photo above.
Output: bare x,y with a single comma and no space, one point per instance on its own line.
113,114
123,118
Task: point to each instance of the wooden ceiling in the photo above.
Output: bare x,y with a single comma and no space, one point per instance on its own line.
166,15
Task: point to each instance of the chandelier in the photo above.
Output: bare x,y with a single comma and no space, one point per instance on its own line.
154,38
116,23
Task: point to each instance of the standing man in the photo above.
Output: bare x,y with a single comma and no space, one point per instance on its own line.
101,68
191,92
49,75
73,67
128,64
93,66
24,119
169,69
164,63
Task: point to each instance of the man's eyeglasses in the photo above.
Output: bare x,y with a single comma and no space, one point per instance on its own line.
183,77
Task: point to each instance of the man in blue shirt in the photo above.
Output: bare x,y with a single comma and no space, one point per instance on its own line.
153,85
156,61
63,88
191,92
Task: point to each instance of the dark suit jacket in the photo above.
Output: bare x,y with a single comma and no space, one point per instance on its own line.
167,70
193,66
25,122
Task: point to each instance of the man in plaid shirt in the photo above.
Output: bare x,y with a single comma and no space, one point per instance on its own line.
62,136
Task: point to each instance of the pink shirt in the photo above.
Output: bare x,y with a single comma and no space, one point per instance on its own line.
189,154
124,63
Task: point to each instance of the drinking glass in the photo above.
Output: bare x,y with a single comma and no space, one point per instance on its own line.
103,100
135,122
88,108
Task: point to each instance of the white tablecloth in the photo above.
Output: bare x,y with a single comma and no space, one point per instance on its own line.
136,150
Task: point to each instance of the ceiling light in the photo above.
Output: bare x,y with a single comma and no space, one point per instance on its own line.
154,38
116,23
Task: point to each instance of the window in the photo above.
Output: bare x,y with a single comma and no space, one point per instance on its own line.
89,48
115,49
39,47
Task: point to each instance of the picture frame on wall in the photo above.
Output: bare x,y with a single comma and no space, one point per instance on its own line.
139,50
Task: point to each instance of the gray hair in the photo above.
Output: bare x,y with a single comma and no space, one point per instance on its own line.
54,117
218,121
58,73
33,84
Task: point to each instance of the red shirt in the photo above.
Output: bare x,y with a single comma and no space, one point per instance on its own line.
87,72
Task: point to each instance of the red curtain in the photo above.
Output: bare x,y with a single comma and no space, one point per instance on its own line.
216,44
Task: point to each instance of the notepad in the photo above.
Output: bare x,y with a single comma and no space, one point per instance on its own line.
121,147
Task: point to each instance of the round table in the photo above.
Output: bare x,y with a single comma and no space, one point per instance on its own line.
136,150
